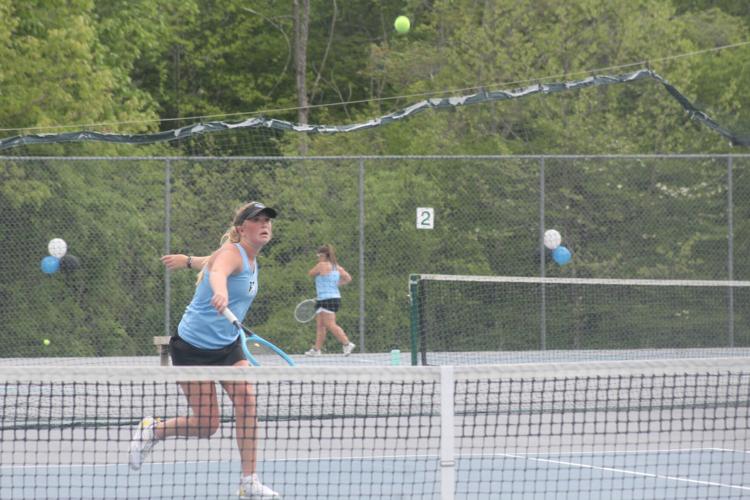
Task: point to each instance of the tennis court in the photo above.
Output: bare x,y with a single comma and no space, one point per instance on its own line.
590,475
621,429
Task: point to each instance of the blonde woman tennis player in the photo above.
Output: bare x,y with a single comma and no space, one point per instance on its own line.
228,278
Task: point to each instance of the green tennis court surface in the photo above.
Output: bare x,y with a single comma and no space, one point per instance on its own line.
618,429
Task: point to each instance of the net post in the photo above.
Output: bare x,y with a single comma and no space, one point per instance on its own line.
413,315
447,438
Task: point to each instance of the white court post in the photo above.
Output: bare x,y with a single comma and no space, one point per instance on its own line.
447,435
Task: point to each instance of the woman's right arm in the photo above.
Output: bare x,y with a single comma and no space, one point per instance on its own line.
226,261
314,271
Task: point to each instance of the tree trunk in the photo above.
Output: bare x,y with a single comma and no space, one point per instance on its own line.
301,24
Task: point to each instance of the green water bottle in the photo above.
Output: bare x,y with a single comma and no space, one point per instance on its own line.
395,357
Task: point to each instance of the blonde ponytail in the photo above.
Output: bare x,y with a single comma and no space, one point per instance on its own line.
232,235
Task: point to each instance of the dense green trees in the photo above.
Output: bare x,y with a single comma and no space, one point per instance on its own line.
127,63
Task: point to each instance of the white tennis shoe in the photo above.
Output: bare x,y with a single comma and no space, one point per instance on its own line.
313,352
143,441
251,487
348,348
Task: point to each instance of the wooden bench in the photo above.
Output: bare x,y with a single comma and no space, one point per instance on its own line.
162,347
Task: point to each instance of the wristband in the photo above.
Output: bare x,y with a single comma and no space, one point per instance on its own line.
190,262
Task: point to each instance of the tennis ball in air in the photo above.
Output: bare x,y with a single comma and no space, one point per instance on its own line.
46,342
402,24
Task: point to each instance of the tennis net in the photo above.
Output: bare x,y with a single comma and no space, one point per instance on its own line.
635,429
479,319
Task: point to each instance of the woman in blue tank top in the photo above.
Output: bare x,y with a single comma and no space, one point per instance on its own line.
228,278
329,275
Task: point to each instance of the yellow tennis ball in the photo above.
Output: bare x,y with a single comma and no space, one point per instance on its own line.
402,24
46,342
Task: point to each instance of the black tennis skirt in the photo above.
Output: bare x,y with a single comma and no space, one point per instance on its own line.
186,354
330,305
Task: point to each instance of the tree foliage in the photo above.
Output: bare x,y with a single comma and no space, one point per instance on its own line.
140,65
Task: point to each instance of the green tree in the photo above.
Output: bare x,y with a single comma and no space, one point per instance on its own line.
55,70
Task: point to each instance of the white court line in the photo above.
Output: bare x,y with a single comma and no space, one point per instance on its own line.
620,452
628,472
730,450
325,360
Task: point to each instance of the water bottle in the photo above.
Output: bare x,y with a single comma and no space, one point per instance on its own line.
395,357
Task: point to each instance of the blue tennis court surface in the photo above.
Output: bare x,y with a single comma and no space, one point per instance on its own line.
670,474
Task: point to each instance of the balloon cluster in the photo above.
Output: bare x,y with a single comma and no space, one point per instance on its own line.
560,254
59,258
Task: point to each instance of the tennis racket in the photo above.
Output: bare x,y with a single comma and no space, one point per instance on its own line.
305,311
256,348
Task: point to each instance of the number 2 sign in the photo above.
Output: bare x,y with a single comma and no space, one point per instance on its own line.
425,218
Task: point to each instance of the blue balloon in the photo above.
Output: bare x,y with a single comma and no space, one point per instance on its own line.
561,255
50,264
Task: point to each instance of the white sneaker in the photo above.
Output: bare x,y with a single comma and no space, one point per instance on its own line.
313,352
348,348
251,487
143,441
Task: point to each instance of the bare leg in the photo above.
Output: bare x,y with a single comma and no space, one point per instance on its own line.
203,420
329,322
242,395
320,331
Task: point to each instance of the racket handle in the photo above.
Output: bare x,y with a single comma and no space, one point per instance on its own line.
230,316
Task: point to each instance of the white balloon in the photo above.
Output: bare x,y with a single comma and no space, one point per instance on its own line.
552,239
57,247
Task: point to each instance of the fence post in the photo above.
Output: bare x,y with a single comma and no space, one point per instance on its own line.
167,243
362,255
730,249
542,261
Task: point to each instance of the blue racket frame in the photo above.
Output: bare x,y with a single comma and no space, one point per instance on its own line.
260,340
254,338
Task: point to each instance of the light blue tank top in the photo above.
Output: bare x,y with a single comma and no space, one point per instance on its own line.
327,285
201,325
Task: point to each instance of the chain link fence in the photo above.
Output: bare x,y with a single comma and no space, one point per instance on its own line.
651,217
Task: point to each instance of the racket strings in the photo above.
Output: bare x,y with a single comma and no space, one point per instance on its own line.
264,355
305,311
